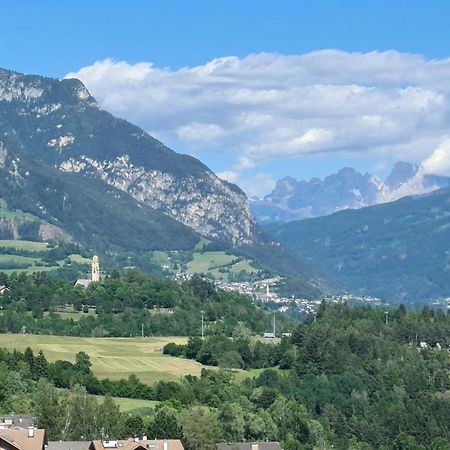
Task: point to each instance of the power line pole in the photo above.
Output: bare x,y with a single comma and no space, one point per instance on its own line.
142,331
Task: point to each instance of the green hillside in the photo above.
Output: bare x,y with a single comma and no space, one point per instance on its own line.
111,358
397,251
32,256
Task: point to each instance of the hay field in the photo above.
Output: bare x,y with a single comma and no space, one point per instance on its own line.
129,404
112,357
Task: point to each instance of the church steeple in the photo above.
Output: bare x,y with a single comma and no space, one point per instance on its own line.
95,276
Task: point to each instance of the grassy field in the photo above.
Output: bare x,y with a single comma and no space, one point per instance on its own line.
24,245
80,259
70,314
213,261
17,259
112,357
129,404
11,263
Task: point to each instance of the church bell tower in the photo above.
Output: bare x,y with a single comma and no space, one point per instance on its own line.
95,269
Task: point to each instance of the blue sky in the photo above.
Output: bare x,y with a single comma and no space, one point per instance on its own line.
55,38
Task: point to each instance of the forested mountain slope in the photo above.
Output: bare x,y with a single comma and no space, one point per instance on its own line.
398,251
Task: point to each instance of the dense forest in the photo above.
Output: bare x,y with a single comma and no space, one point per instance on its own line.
345,380
120,304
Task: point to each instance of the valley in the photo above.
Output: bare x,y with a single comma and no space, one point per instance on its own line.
283,331
397,251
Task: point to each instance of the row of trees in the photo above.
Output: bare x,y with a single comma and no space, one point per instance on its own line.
122,304
241,352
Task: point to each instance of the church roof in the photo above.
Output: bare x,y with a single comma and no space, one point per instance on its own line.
84,282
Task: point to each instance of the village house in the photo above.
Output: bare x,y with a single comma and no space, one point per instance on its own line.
68,445
16,421
22,439
138,444
3,289
248,446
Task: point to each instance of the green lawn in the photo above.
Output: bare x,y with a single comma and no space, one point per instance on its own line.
80,259
129,404
112,357
24,245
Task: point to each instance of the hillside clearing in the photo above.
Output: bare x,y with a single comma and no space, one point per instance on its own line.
129,404
113,358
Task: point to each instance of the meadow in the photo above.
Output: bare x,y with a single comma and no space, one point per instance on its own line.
33,262
130,404
113,358
213,261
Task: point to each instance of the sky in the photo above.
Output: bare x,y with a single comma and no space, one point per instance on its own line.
257,90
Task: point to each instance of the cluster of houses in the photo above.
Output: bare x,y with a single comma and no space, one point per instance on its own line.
18,433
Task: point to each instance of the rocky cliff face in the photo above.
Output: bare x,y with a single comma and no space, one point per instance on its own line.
347,189
61,125
207,204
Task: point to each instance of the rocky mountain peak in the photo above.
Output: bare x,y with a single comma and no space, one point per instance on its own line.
346,189
59,123
400,174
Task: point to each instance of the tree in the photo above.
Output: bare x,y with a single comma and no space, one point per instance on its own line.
231,360
200,428
48,409
40,366
109,420
83,362
231,417
81,418
133,426
29,358
165,424
405,442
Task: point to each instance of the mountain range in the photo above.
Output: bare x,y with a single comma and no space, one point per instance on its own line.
347,189
58,125
72,171
397,251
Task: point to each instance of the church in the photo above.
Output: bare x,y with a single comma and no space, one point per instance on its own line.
95,274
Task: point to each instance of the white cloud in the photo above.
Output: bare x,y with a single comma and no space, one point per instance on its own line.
257,185
438,163
269,106
200,132
229,175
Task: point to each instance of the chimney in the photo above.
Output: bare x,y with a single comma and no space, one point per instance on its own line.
31,432
165,445
255,446
144,438
136,439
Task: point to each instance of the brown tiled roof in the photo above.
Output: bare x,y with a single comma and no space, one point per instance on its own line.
18,438
68,445
248,446
131,444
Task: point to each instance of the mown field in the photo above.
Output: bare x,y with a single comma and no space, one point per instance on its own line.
112,357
